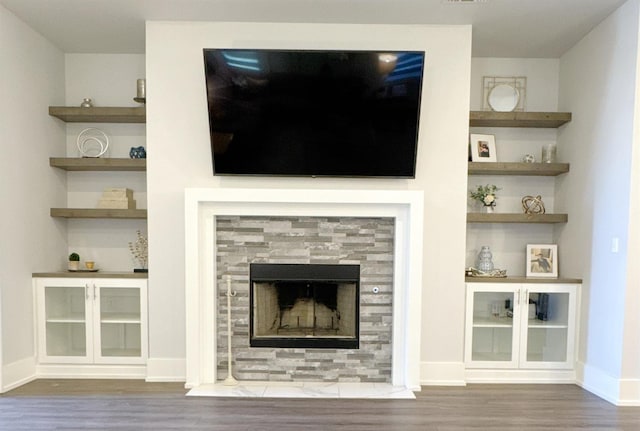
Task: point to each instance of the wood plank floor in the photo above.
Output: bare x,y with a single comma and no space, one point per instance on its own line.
135,405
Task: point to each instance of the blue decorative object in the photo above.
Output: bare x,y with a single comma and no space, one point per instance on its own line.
138,153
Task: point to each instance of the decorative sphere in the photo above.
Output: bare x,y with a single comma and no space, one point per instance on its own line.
529,158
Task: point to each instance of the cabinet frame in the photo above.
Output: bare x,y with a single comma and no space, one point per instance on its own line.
520,325
91,288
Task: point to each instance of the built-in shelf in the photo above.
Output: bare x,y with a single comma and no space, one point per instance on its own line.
492,322
98,164
530,169
522,279
518,119
99,213
106,114
516,218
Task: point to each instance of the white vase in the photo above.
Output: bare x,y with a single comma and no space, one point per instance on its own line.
488,209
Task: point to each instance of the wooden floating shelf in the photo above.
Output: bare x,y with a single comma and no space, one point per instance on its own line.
97,274
107,114
97,164
518,119
516,218
522,279
531,169
98,213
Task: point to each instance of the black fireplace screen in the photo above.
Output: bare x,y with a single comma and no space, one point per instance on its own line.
306,306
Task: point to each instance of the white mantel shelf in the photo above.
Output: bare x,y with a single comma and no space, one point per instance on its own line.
203,205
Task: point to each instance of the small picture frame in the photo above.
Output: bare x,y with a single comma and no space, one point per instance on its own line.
483,148
542,260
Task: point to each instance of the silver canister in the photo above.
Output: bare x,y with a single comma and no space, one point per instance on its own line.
141,90
549,153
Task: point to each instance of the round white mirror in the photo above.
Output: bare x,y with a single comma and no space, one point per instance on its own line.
503,98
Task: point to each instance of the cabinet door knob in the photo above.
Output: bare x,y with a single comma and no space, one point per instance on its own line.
86,291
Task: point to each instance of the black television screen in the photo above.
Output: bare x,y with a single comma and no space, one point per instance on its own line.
314,113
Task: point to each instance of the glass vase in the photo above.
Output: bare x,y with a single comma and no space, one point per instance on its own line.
485,262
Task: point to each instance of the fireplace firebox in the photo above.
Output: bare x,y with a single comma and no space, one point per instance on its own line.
304,305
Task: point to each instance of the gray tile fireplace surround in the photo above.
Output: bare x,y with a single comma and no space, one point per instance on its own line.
368,242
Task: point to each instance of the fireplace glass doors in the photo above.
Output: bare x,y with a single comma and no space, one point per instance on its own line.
304,306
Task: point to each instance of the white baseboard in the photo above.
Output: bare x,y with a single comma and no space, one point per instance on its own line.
629,393
442,374
18,373
166,370
504,376
90,371
619,392
600,383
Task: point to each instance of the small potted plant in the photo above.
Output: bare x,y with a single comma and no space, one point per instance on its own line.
74,262
486,195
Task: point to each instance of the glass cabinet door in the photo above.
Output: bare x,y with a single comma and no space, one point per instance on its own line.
120,321
66,321
493,333
548,335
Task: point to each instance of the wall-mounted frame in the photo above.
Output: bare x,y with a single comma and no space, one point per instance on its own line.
483,148
542,260
499,83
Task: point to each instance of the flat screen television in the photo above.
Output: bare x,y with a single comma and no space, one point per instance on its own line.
314,113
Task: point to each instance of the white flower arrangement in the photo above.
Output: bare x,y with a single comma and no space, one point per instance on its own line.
485,194
139,249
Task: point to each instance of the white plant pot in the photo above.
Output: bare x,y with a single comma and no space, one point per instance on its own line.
74,265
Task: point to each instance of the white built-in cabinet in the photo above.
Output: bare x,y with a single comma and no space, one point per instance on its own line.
91,320
524,326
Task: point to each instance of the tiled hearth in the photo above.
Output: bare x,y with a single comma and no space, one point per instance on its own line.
403,209
304,390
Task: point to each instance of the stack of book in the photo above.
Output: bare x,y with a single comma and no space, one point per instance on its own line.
117,198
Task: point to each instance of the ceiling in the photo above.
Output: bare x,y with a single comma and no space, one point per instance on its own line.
501,28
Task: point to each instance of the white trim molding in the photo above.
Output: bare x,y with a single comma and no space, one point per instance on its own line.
18,373
203,205
165,370
619,392
442,374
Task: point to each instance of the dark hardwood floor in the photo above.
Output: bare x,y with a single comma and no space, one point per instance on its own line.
135,405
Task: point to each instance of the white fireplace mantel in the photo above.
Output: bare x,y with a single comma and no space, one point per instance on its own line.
203,205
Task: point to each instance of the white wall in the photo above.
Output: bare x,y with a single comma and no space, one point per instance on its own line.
630,371
178,134
542,79
508,241
597,83
109,80
32,79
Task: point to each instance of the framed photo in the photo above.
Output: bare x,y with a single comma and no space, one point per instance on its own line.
542,260
483,148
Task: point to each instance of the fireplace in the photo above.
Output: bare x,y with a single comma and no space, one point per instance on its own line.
210,242
304,305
